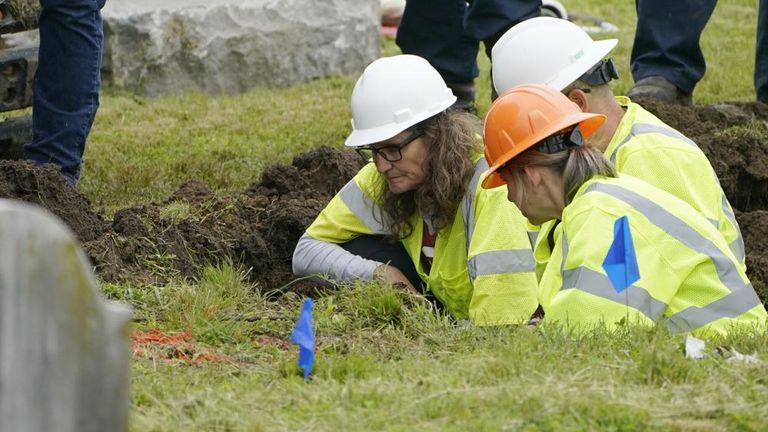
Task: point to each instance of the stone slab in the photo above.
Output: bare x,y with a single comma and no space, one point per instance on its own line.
229,46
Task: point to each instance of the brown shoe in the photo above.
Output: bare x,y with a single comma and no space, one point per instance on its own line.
659,88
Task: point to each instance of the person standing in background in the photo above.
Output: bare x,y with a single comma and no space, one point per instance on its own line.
66,84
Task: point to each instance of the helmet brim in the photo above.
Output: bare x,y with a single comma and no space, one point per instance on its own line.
599,50
364,137
588,123
493,180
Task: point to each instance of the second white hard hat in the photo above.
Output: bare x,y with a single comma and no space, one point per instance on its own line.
393,94
545,50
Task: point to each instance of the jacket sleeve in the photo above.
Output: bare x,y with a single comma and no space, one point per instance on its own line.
687,174
500,262
682,172
331,260
348,215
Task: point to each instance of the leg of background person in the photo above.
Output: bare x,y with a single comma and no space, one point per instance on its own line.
761,53
667,41
488,20
379,248
434,29
66,85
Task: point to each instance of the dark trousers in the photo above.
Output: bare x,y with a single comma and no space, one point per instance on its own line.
761,53
379,248
667,40
447,32
66,85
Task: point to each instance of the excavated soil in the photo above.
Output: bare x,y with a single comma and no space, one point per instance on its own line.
259,227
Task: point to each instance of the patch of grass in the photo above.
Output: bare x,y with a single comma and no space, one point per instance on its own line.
216,309
141,150
375,376
756,131
176,211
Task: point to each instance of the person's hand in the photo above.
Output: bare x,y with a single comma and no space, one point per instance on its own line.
393,276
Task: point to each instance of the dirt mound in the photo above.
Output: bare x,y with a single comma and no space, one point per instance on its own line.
754,227
46,187
734,136
193,227
258,228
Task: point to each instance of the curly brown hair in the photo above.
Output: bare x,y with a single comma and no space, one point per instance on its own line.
452,137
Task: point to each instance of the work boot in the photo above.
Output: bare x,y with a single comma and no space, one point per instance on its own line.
660,88
465,96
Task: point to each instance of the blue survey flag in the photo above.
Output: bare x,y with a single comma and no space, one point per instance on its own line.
304,337
621,263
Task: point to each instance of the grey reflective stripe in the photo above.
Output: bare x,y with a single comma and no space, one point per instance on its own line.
598,284
742,296
501,261
468,202
737,246
646,128
362,206
532,236
715,223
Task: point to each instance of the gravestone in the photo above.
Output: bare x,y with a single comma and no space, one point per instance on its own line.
229,46
64,358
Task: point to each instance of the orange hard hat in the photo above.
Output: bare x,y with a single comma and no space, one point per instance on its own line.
522,117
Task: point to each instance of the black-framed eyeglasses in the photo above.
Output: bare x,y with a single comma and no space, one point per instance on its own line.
390,153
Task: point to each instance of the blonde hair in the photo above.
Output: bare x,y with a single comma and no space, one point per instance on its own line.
575,165
452,137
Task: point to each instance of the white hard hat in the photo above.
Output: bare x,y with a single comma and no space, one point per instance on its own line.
393,94
545,50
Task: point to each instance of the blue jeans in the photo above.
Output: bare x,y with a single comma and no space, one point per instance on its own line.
447,32
66,85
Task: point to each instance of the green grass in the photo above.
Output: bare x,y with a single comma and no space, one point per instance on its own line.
385,360
385,363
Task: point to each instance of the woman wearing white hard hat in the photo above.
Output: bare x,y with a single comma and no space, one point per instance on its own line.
416,214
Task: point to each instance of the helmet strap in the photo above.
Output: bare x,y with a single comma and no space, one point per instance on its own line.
562,141
601,73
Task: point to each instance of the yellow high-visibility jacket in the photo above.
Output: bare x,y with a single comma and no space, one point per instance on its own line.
689,277
483,262
646,148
